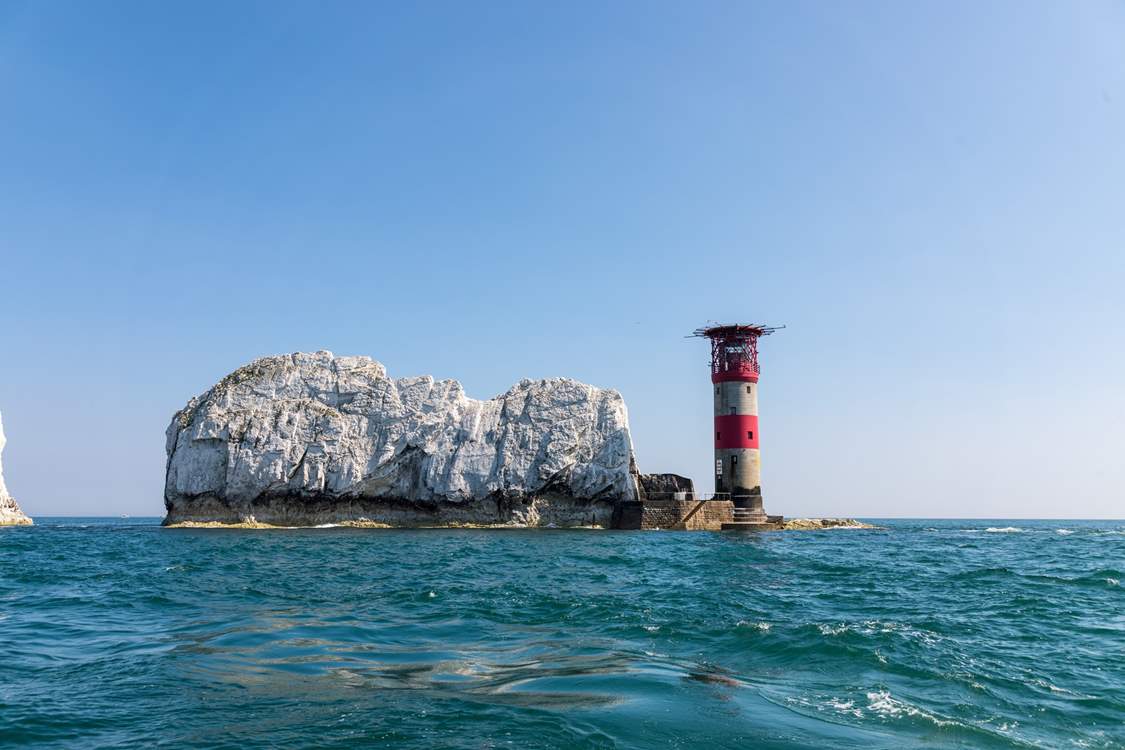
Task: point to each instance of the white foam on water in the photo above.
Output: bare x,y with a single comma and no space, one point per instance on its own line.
880,627
1056,689
1004,530
326,526
652,628
1064,531
821,704
845,707
1113,582
762,626
882,703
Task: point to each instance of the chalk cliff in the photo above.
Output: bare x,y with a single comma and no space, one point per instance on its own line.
10,513
308,439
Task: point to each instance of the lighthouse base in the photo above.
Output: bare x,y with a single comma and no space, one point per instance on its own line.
758,523
749,515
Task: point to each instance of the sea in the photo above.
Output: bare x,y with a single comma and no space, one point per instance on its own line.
117,633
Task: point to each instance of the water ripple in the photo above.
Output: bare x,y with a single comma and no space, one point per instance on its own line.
942,634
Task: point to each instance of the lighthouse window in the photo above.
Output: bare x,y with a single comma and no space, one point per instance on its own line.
716,390
732,410
749,434
733,462
748,389
718,435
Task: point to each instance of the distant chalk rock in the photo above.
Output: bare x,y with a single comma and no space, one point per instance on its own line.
308,439
10,513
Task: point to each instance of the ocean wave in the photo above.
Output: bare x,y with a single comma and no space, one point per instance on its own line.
1004,530
881,702
1046,685
1064,532
823,704
544,641
870,628
843,706
762,626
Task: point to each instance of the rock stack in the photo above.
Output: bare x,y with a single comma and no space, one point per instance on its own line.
311,439
10,513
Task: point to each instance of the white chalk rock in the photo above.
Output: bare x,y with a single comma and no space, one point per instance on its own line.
308,439
10,513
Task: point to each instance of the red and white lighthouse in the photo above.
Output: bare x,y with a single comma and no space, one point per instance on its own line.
734,379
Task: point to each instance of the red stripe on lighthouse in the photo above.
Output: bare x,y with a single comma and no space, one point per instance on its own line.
736,431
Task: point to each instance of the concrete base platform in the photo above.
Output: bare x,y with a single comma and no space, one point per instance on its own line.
746,526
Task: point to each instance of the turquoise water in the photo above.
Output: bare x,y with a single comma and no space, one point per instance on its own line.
935,634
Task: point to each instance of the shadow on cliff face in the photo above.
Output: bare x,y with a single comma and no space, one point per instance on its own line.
289,509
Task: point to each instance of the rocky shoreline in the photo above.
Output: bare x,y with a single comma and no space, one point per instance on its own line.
11,515
310,512
359,523
820,524
796,524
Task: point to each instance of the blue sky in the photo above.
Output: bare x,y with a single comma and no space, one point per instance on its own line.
931,196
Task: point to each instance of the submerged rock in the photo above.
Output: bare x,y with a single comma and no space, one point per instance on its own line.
10,513
311,439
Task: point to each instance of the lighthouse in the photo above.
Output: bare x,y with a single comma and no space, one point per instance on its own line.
734,381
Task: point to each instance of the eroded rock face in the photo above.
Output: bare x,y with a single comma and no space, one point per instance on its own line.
10,513
307,439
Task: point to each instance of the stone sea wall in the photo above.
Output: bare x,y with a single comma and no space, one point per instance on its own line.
670,514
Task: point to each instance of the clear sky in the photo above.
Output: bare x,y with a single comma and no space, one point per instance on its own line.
931,196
